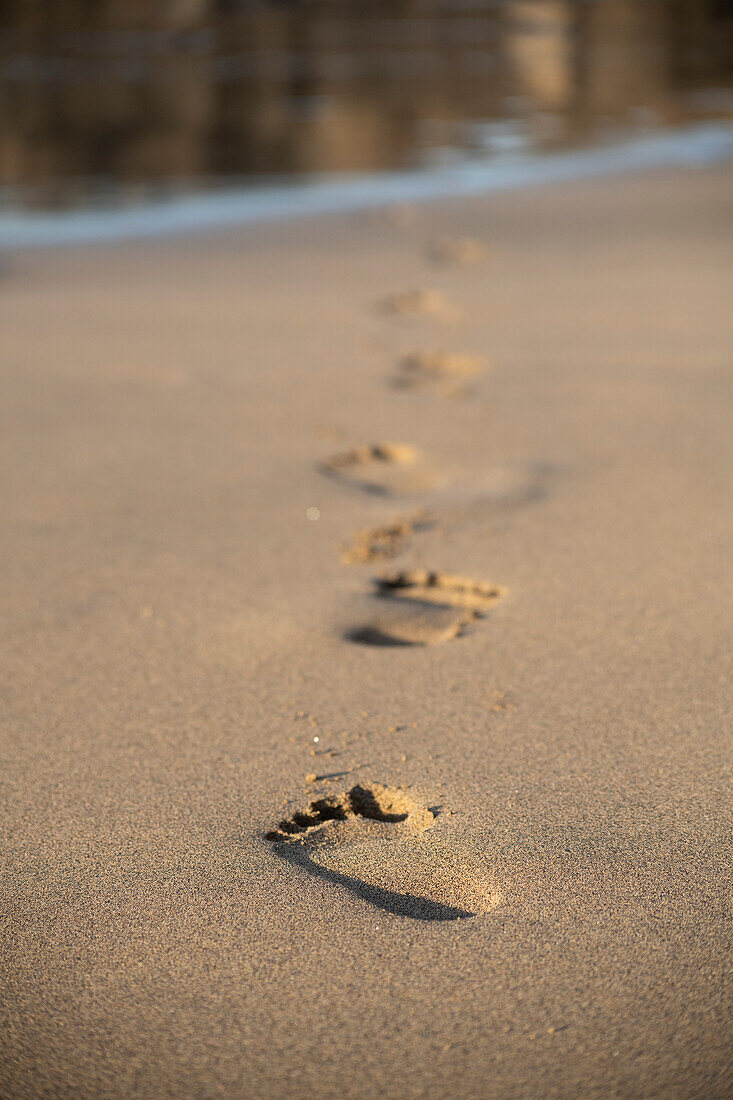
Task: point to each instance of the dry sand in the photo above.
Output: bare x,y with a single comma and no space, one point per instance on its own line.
180,673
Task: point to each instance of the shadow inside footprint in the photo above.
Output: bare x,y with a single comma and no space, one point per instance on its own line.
422,624
401,905
373,634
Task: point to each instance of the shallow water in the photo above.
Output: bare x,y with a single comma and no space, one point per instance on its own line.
216,209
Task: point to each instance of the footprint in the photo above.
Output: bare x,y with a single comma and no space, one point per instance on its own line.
461,251
447,372
387,469
375,842
439,607
422,303
380,543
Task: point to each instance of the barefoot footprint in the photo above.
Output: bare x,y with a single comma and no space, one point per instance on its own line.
380,543
462,251
374,842
388,469
422,303
447,372
437,607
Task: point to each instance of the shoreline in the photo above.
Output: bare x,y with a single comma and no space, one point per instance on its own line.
195,215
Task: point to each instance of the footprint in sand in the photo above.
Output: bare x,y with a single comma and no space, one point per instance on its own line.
376,843
449,373
425,608
387,469
421,303
381,543
462,252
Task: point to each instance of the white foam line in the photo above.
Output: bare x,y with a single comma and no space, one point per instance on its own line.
695,145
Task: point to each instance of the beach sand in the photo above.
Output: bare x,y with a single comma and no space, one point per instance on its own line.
516,876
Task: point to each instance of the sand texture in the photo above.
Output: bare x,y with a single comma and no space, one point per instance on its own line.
358,743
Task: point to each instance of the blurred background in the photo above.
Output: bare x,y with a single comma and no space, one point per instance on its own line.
116,101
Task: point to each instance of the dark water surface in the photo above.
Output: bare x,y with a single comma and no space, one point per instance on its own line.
118,101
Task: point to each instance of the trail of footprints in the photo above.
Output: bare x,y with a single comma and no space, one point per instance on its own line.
374,841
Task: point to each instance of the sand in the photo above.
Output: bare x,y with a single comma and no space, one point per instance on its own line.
538,905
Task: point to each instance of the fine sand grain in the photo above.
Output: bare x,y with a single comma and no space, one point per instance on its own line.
246,857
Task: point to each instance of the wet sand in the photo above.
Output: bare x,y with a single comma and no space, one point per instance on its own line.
495,781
